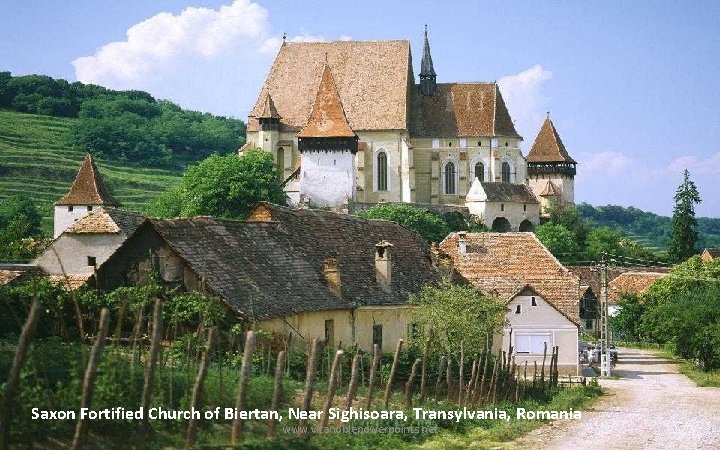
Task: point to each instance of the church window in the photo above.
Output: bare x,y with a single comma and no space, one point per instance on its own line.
505,172
506,144
480,171
449,144
382,172
281,158
449,178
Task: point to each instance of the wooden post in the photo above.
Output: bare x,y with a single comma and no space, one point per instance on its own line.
352,388
409,384
373,375
517,386
393,368
441,370
493,380
461,372
542,370
534,375
197,393
277,390
332,382
473,374
245,372
423,373
150,371
90,375
13,381
310,377
480,393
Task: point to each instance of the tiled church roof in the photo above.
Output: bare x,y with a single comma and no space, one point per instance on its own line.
504,263
372,79
548,147
268,110
462,109
88,187
327,118
508,192
272,264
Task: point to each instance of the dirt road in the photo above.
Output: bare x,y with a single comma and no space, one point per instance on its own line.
650,407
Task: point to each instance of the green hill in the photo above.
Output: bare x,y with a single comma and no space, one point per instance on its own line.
38,160
648,229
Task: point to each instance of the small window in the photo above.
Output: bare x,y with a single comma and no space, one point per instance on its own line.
378,336
588,324
89,208
449,144
330,333
506,144
479,143
502,206
533,301
524,207
70,208
91,261
518,309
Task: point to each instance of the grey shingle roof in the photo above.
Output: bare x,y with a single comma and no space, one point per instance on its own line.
508,192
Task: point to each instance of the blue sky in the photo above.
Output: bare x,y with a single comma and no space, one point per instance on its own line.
632,86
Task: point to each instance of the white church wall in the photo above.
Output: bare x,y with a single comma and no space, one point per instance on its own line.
64,217
327,178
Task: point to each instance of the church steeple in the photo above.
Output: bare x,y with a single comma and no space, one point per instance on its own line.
427,71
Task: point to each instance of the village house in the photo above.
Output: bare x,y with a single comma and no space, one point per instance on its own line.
540,294
710,254
630,283
347,124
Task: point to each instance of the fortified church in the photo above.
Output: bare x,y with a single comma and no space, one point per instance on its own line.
349,126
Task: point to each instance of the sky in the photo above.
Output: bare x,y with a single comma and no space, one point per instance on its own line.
632,87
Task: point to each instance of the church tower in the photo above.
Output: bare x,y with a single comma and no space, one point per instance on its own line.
427,71
550,168
327,146
269,121
86,194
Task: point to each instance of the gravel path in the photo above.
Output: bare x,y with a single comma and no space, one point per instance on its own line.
650,407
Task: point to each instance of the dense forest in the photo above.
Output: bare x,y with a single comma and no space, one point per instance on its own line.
128,126
648,229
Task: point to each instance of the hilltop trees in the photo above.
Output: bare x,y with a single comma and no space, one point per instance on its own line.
223,186
684,225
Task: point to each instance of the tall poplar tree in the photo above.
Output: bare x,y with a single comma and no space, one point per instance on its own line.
684,226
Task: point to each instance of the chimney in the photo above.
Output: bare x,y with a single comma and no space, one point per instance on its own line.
462,242
383,265
332,275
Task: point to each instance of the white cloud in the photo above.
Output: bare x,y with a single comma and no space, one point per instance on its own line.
154,44
523,95
709,165
607,162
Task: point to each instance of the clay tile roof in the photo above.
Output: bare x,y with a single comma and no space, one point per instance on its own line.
462,109
548,147
508,192
631,283
504,263
372,79
713,252
268,110
109,220
7,276
70,282
327,118
272,264
88,187
549,190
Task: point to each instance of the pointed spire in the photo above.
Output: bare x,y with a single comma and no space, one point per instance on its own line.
88,187
548,147
268,110
327,118
427,71
426,67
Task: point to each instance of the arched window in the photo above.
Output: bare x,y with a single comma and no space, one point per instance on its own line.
382,172
449,173
480,171
505,172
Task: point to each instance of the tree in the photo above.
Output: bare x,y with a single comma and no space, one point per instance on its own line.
684,225
428,225
559,240
223,186
569,217
458,313
626,323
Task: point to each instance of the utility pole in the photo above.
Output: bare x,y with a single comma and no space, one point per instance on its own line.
604,323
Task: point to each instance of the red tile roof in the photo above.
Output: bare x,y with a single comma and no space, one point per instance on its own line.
548,147
88,187
327,118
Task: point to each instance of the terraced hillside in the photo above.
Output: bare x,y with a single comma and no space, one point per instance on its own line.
37,160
